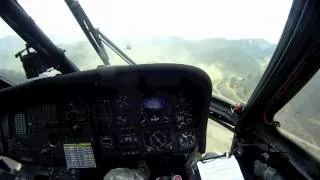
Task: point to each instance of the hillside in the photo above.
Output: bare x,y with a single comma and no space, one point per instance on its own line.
235,64
301,116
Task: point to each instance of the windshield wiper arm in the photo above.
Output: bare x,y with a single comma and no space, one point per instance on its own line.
96,38
114,48
88,29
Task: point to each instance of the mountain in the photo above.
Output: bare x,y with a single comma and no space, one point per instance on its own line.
234,54
239,62
11,43
13,76
235,64
301,116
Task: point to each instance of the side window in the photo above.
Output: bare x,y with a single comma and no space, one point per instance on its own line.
300,117
219,138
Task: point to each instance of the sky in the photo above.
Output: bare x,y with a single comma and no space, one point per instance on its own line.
189,19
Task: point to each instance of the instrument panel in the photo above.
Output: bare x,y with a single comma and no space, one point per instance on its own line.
135,125
123,111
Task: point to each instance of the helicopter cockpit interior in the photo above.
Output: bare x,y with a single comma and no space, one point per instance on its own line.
148,121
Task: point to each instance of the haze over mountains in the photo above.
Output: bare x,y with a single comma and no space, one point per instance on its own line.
236,63
234,66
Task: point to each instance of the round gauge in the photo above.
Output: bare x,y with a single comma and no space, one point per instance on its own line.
106,143
158,140
187,140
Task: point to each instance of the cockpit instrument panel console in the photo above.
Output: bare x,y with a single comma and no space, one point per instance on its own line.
114,111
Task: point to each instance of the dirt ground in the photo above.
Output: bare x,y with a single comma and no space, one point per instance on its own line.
219,138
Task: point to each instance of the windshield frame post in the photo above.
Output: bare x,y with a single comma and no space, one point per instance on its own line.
18,19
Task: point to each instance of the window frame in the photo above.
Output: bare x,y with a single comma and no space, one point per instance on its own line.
292,65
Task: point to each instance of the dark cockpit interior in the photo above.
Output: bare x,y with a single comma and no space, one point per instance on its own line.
101,118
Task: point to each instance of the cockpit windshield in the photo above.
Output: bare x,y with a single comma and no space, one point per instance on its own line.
233,41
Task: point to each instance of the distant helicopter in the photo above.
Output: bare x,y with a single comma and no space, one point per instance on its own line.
128,47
